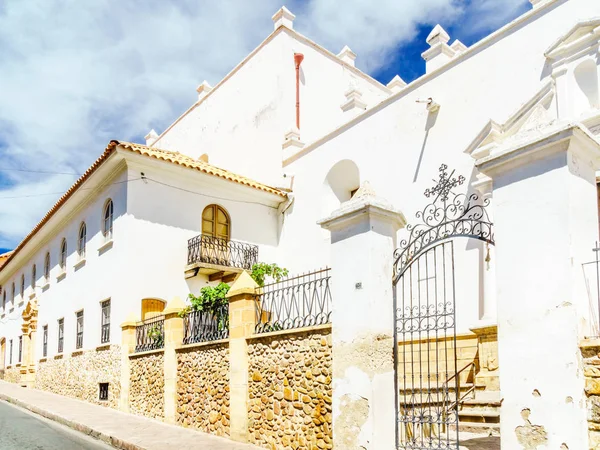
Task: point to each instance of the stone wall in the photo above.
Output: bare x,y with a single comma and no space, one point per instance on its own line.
147,385
79,376
290,390
203,388
12,374
590,350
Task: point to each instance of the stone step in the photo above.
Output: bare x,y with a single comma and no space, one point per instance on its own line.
489,429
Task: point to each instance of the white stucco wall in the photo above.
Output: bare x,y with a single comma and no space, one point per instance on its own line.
82,288
242,123
158,231
400,146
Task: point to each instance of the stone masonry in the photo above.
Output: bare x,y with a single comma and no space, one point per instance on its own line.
203,388
290,391
591,362
12,374
78,376
147,389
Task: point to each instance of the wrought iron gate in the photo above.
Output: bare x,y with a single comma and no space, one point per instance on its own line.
428,389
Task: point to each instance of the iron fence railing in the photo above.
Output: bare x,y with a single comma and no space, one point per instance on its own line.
204,326
294,302
150,334
222,252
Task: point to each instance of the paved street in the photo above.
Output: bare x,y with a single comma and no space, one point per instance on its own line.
124,431
22,430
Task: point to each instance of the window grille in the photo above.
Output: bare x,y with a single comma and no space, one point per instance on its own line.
105,325
103,391
79,338
107,224
81,242
61,335
45,342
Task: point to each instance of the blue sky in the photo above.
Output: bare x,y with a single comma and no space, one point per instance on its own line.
75,74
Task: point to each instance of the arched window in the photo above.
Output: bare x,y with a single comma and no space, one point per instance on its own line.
215,222
47,266
62,259
14,293
152,307
22,286
33,276
4,299
107,222
82,240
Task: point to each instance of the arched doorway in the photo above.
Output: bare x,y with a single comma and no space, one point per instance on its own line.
428,379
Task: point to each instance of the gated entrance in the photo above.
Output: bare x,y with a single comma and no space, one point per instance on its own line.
428,379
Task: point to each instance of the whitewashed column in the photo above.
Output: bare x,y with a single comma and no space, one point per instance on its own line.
363,238
546,222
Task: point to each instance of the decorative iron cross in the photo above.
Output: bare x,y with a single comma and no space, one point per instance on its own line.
444,185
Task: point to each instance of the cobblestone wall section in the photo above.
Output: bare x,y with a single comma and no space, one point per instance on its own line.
147,385
12,374
591,361
203,388
290,391
79,376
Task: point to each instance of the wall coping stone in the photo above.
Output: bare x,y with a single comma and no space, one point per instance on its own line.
590,342
77,353
149,352
326,326
184,347
59,356
103,347
43,360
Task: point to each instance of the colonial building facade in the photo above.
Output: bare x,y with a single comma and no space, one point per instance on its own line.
503,137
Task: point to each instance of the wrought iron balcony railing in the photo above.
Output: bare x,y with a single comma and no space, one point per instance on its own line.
222,252
296,302
150,334
202,326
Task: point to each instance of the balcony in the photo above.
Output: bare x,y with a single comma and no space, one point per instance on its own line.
220,259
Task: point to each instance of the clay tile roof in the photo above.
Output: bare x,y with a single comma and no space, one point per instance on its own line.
4,257
164,155
186,161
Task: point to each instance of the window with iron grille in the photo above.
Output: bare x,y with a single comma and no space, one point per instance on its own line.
107,223
45,342
103,391
62,260
47,266
61,334
105,325
10,352
20,348
79,340
82,241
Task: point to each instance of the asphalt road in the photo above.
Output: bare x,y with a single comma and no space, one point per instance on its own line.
22,430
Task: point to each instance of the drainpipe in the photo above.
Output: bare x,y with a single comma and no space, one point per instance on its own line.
298,57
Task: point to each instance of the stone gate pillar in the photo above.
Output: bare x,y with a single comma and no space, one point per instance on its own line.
546,223
363,239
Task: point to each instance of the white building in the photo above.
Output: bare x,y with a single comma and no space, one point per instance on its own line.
139,205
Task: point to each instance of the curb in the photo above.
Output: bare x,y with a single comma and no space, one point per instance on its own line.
111,440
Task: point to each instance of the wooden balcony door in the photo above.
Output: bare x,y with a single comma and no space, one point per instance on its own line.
216,223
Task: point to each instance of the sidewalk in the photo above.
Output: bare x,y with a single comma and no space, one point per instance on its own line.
121,430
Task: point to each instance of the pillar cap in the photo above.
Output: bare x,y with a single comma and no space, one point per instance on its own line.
365,203
244,284
175,306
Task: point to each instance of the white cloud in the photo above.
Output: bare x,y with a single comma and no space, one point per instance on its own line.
75,74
